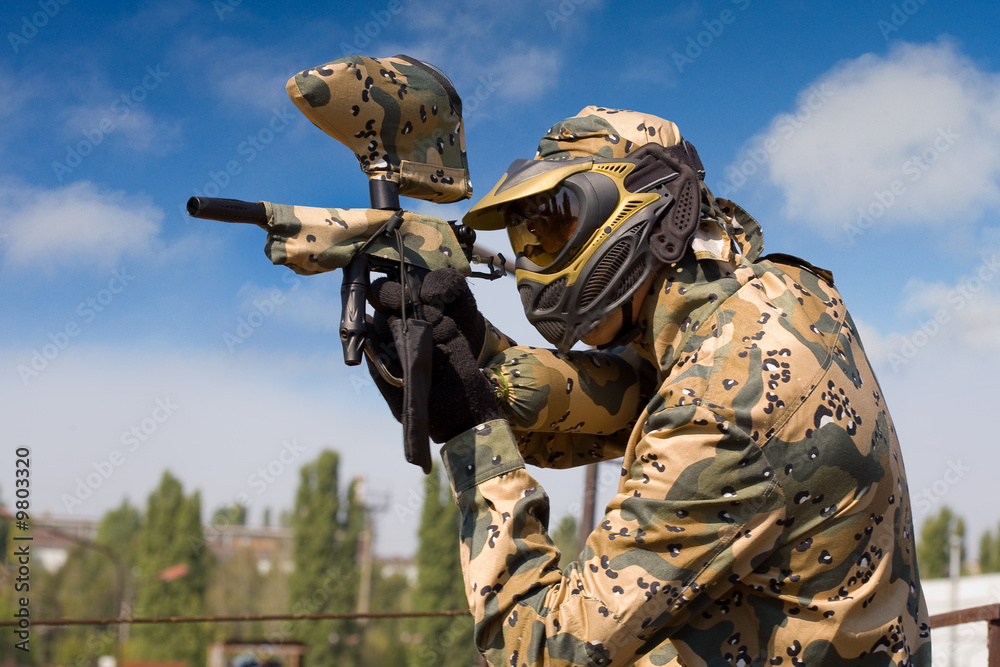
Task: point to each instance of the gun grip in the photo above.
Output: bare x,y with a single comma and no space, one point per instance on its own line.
352,314
416,347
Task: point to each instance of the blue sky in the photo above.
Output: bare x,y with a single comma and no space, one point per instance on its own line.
863,137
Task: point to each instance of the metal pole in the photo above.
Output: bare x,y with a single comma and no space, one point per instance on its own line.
954,574
589,502
365,547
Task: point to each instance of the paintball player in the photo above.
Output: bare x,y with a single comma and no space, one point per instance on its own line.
762,515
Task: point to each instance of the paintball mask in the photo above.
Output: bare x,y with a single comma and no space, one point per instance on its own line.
609,195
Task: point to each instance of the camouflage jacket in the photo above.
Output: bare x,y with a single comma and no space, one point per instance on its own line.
762,516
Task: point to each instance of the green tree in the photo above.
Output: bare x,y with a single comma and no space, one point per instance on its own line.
326,531
84,588
5,526
390,593
446,641
174,570
989,552
7,593
934,546
230,515
567,538
94,582
238,588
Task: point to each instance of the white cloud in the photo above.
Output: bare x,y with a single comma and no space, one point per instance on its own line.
73,225
939,381
305,302
909,137
14,92
141,131
956,321
489,53
240,75
526,73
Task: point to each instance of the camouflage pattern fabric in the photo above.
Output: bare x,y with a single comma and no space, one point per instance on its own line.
312,240
605,133
400,117
571,409
762,515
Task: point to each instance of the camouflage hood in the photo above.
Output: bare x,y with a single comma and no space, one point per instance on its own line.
725,245
401,117
605,133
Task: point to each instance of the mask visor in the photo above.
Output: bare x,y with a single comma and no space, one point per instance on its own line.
541,226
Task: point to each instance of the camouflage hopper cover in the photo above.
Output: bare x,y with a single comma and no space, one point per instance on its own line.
312,240
402,119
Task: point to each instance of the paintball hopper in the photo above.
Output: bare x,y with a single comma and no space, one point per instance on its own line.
400,117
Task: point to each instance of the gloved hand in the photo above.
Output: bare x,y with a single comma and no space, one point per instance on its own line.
460,396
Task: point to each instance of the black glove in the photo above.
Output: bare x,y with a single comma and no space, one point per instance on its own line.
460,396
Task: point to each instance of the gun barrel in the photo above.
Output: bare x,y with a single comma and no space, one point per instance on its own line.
227,210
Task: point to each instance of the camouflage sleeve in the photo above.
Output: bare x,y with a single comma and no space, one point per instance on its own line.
571,409
568,450
494,343
710,510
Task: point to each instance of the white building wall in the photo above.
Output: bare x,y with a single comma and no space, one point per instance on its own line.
961,645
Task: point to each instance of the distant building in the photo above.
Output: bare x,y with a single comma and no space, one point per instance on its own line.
961,645
272,547
54,537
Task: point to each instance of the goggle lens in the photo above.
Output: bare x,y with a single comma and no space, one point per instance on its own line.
540,226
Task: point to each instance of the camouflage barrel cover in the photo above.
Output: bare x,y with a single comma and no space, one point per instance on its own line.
311,240
401,117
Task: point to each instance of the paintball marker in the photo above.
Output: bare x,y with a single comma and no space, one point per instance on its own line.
403,121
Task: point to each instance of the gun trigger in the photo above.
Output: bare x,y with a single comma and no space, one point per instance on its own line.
380,366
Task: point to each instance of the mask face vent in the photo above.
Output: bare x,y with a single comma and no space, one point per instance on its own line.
608,268
613,167
630,207
551,330
548,298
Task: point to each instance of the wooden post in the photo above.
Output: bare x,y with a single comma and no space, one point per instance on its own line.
589,501
993,643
